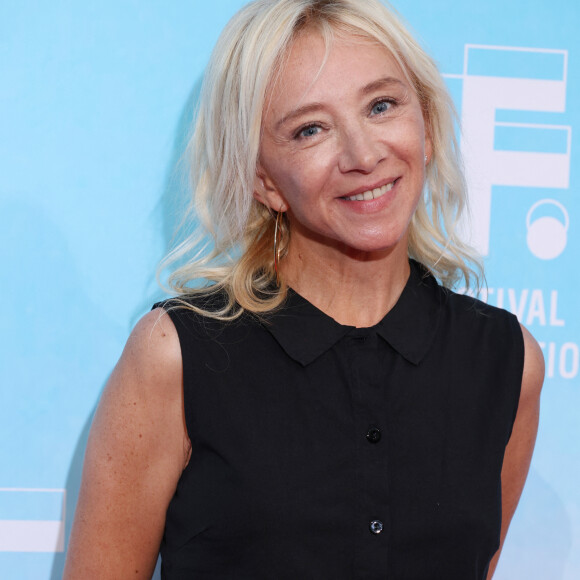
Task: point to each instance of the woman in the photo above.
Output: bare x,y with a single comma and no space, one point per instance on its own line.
323,407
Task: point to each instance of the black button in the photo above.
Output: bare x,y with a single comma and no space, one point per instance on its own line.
376,526
374,435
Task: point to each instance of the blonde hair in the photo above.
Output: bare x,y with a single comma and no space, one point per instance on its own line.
231,248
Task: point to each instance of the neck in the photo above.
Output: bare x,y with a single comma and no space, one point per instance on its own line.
354,288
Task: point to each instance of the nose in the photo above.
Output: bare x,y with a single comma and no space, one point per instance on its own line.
358,152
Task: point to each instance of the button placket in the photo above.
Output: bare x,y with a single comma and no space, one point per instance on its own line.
365,351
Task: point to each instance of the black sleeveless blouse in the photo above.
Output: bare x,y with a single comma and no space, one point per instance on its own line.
322,451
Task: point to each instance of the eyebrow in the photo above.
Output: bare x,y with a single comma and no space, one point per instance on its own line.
314,107
382,83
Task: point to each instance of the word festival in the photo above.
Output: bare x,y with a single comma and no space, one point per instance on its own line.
539,307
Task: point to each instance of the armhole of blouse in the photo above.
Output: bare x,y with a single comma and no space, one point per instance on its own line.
519,354
176,316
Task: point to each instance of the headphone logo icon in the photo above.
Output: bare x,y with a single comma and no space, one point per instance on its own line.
547,236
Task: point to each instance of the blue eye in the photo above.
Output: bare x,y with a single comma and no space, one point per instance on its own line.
309,131
381,107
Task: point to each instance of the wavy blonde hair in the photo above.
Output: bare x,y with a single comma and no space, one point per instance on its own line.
231,248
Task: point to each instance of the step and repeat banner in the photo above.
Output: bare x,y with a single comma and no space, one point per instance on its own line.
95,103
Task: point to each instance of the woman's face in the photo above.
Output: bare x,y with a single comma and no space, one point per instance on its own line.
343,147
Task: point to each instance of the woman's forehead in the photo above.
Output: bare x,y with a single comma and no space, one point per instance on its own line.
317,62
329,35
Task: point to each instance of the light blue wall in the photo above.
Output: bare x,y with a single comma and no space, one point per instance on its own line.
95,100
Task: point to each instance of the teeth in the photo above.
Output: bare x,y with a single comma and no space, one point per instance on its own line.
371,193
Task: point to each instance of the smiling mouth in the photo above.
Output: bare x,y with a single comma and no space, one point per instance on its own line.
372,193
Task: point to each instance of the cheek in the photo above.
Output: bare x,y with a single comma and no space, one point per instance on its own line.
410,130
303,177
414,139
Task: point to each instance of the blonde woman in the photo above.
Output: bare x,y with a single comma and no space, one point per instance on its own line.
322,405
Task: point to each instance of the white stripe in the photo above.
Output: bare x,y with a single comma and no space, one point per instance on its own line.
31,536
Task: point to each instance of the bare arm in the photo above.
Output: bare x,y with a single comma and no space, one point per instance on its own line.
137,449
521,445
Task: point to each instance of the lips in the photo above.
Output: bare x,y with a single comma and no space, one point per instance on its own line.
370,194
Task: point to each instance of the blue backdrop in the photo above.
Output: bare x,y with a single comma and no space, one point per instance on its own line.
95,100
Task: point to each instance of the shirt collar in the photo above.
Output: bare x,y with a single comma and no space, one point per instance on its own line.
305,332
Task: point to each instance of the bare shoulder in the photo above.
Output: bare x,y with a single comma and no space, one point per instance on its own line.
153,353
145,389
137,450
533,375
155,336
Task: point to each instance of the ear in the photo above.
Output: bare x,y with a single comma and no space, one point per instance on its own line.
266,192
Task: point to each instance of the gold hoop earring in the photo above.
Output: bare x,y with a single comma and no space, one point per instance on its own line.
277,237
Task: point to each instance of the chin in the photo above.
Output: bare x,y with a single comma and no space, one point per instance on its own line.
381,249
381,244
